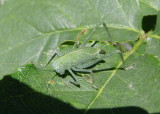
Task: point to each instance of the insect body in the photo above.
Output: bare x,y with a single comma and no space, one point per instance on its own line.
82,58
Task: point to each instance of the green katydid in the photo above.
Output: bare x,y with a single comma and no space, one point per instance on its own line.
83,55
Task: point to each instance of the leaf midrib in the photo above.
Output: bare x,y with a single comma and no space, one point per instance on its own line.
138,44
67,30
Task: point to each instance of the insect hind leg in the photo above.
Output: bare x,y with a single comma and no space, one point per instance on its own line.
110,41
74,81
82,70
113,53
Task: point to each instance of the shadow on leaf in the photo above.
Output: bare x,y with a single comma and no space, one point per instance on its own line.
16,97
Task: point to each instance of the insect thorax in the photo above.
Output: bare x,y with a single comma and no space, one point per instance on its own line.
57,67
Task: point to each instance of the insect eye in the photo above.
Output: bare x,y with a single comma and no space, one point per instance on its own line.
102,52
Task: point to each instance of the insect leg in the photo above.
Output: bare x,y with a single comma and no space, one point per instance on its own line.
93,43
120,53
75,45
75,82
104,25
82,70
56,53
85,41
113,53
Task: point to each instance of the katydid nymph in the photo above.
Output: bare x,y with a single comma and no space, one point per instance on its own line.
83,55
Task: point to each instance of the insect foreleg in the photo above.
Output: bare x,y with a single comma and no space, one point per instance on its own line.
56,53
75,82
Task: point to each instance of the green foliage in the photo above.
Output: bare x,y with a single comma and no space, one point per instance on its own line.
30,28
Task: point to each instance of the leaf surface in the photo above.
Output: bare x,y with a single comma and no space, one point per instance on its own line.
30,28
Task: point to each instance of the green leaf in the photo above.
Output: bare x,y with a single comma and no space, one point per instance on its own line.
137,86
30,28
153,41
152,45
149,7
